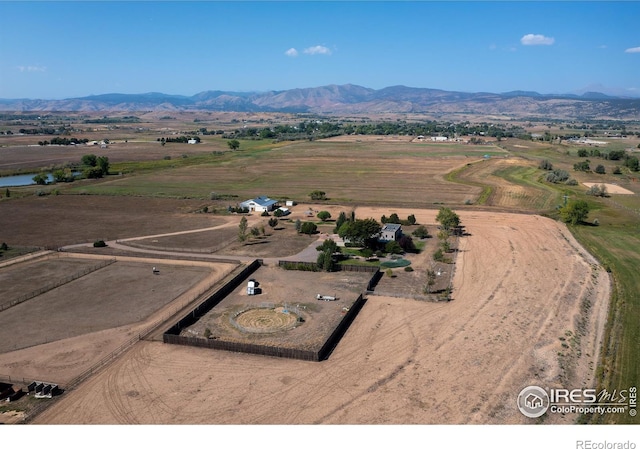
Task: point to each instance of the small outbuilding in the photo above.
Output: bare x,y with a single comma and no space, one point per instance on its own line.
390,232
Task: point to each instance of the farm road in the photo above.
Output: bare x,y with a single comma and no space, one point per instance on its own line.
308,254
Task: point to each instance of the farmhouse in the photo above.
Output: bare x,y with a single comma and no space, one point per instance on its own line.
192,141
439,138
390,232
259,204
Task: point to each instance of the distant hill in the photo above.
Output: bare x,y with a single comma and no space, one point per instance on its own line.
353,99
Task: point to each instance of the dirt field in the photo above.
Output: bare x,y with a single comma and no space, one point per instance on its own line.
279,289
61,332
528,310
67,219
611,188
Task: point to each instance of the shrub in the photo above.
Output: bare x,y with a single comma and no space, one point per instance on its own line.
571,182
318,195
597,190
323,215
408,269
600,169
545,165
582,166
308,228
557,176
421,232
99,244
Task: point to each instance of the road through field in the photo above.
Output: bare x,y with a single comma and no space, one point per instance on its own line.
520,286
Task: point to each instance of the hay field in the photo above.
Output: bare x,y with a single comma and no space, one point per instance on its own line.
398,172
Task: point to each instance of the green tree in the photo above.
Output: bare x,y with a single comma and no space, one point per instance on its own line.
308,228
92,173
323,215
234,144
421,232
103,164
361,232
448,219
342,218
411,219
582,166
633,163
329,245
318,195
574,212
545,165
90,160
242,229
393,247
393,218
273,222
40,179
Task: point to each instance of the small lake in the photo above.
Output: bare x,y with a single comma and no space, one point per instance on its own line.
24,180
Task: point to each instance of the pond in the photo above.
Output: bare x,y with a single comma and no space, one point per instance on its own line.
24,180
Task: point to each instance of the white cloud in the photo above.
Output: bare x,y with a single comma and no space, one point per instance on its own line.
292,52
601,46
317,50
32,68
632,50
536,39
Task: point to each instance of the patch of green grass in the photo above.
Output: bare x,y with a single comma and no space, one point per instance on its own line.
617,246
360,262
528,177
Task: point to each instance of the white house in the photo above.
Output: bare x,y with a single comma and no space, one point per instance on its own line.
259,204
390,232
439,138
192,141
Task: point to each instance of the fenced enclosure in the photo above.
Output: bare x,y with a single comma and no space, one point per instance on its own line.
57,283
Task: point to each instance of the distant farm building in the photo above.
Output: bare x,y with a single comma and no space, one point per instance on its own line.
390,232
439,138
259,204
192,141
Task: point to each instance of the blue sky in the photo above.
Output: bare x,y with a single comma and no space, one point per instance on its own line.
53,50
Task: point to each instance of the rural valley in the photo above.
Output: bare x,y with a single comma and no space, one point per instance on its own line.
513,263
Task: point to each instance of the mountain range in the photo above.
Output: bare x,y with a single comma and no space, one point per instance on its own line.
353,99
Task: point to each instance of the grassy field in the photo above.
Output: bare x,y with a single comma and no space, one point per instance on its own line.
401,174
617,244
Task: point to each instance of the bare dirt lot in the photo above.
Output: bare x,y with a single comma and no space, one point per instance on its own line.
66,219
63,331
289,294
611,188
529,306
